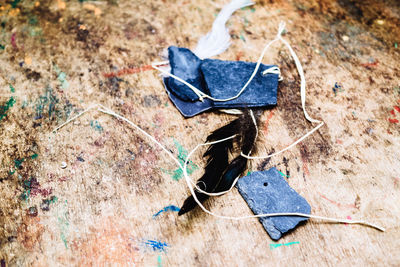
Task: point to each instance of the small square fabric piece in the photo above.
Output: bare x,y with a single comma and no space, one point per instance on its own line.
219,79
268,192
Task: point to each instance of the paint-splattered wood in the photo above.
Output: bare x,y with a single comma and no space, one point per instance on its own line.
59,57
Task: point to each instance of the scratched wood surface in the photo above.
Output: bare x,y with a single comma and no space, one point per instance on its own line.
59,57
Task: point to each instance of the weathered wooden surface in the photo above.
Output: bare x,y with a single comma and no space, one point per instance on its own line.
98,210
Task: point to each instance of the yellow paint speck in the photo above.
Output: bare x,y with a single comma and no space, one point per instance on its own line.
380,21
61,4
97,11
14,12
28,60
37,3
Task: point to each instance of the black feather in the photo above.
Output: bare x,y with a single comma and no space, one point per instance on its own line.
218,174
216,164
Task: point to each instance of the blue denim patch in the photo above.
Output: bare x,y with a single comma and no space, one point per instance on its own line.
268,192
219,79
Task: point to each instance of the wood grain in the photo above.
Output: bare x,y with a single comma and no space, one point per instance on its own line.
62,56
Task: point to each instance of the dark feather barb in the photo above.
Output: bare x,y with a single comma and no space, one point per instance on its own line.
219,174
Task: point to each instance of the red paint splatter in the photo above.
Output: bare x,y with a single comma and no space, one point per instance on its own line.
393,120
13,40
271,113
128,71
305,167
338,204
35,189
63,179
369,65
338,141
397,108
348,218
239,55
392,112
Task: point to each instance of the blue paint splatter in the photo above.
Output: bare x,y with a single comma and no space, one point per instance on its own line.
167,208
156,245
96,125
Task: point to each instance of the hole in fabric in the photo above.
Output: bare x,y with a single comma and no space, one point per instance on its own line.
265,184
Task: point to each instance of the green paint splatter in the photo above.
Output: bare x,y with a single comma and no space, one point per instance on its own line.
27,185
159,264
33,20
6,107
242,36
182,154
96,125
63,224
35,31
15,3
2,47
284,175
252,9
50,102
272,246
27,189
395,45
12,89
18,163
61,76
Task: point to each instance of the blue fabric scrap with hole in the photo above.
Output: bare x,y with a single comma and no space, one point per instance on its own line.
219,79
268,192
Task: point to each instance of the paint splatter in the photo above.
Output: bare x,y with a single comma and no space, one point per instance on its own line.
283,175
15,3
393,113
4,109
337,88
50,102
12,89
273,246
18,163
353,206
371,63
96,125
108,243
165,209
182,154
97,11
32,188
127,71
63,224
61,76
156,245
348,218
159,264
45,205
271,113
14,41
